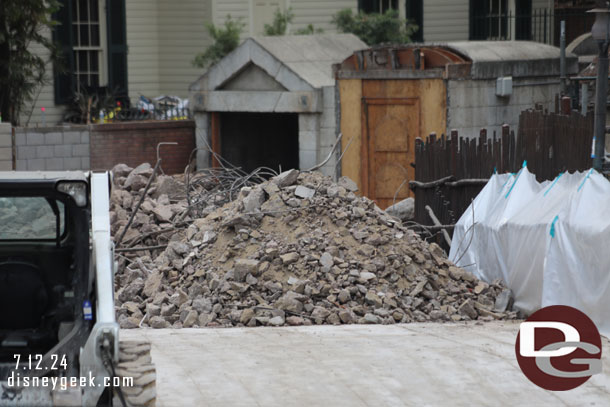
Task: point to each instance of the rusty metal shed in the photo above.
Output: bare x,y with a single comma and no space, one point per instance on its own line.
389,96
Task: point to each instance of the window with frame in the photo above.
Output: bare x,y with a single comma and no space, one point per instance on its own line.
503,20
489,20
91,35
88,50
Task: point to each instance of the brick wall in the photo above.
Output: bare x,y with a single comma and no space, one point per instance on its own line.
6,147
52,148
134,143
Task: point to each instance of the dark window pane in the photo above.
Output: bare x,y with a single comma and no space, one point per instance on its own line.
95,34
93,61
74,56
83,10
369,6
74,12
117,72
75,33
117,22
82,61
84,35
95,80
94,11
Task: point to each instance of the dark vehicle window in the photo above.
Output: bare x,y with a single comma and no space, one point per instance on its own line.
25,218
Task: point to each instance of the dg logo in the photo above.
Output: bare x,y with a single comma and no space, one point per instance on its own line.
559,348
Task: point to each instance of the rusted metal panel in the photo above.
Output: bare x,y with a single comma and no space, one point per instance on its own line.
416,59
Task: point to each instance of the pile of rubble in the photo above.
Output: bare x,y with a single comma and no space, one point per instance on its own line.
295,250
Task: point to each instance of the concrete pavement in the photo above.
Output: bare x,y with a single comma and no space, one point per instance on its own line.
430,364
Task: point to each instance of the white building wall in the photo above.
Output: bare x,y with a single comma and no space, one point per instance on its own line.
319,13
31,114
142,48
181,36
446,20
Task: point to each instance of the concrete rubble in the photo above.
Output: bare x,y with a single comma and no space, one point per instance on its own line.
298,249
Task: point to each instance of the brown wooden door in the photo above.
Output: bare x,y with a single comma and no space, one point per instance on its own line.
391,127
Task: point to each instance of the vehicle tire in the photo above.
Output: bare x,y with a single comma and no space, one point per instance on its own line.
135,361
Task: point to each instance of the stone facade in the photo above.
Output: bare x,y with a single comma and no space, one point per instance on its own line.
52,148
265,75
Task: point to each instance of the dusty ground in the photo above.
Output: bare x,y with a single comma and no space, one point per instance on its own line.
462,364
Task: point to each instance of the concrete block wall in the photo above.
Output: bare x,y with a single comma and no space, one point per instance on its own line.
473,105
58,148
317,134
6,147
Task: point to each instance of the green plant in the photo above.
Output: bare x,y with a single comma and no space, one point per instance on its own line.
85,107
280,23
226,39
279,26
22,70
375,28
309,30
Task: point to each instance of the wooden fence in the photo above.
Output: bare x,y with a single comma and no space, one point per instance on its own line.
451,171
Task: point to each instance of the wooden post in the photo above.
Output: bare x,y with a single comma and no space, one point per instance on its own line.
566,105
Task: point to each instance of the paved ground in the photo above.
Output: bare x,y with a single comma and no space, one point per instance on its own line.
356,365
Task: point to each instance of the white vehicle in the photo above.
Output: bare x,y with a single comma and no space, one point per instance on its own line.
59,340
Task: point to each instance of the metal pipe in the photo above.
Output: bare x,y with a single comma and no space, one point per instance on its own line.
601,89
562,58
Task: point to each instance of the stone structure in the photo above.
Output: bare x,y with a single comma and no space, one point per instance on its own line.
52,148
98,147
473,102
274,76
6,147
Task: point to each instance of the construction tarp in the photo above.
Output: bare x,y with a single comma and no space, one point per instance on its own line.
549,242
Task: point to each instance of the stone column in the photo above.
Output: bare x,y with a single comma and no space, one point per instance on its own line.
203,140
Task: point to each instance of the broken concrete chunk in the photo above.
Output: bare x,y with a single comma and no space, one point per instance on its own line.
347,183
403,210
289,258
254,200
243,267
304,192
163,213
503,300
286,178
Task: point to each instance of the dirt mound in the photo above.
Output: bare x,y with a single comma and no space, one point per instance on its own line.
297,249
